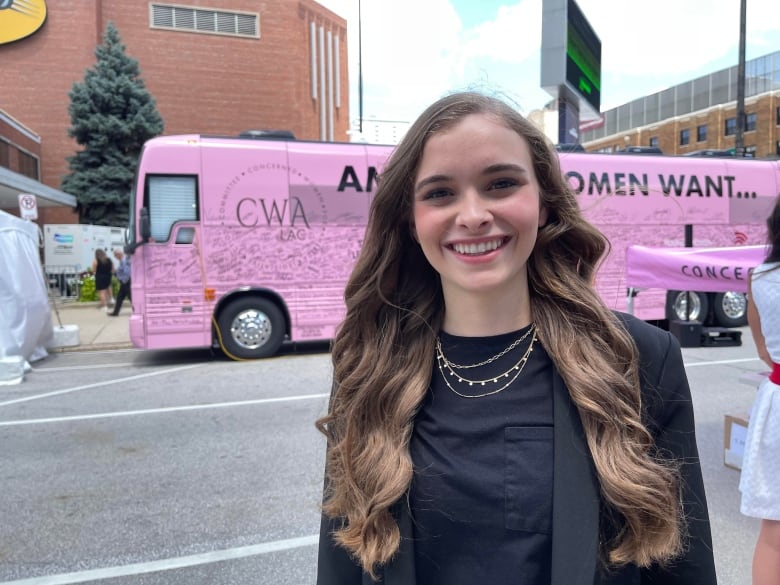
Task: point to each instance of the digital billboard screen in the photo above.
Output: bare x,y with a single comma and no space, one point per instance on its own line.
583,57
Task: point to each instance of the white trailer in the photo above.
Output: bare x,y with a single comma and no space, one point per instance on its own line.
72,246
69,249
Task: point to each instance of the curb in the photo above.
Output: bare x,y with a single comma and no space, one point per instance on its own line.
92,347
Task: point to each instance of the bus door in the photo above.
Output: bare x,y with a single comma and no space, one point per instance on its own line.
173,282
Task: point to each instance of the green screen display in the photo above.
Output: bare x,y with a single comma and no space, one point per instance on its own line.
583,57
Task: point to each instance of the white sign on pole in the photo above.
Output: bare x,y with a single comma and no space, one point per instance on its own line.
28,206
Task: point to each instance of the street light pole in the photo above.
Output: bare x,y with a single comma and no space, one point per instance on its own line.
739,141
360,71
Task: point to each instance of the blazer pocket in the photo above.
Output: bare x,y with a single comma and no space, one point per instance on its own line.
528,478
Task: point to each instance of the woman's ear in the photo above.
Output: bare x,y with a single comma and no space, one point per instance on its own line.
542,216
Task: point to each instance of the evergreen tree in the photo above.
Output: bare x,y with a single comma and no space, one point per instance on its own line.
112,114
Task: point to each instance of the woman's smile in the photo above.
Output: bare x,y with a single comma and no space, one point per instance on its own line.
478,248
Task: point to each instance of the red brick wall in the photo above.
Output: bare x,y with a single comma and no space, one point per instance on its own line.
202,83
18,140
40,70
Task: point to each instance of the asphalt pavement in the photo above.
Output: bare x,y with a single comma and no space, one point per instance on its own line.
723,382
95,328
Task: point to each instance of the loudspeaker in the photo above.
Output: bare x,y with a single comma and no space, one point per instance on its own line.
688,333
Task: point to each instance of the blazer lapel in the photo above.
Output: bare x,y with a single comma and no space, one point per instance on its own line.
575,525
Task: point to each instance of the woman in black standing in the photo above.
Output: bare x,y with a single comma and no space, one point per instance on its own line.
491,420
103,269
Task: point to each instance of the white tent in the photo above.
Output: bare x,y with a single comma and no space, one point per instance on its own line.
25,314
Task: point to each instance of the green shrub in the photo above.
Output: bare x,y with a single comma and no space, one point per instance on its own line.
87,292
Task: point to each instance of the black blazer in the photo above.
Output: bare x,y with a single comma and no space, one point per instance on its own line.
668,412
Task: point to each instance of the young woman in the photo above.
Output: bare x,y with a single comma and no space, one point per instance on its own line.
103,269
761,464
491,421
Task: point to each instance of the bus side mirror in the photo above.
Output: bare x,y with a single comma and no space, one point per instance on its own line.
144,225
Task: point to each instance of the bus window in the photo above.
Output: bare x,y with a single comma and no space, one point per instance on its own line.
170,198
185,235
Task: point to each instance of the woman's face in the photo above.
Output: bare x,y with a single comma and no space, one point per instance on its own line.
477,207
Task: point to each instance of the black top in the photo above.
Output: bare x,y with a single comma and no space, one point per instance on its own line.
577,505
103,274
481,497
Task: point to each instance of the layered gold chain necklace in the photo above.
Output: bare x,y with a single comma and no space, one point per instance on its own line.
450,369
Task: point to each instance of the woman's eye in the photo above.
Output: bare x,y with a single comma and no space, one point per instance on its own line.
503,184
436,194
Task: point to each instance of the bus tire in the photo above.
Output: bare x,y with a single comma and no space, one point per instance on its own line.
251,328
675,306
730,309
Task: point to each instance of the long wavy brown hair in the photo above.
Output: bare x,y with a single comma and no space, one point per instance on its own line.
383,356
773,233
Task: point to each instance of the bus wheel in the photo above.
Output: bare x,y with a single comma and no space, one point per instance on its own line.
676,306
730,309
251,328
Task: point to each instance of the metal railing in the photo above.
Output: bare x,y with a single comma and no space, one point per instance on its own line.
64,282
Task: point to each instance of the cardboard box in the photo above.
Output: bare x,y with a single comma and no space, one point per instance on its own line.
734,435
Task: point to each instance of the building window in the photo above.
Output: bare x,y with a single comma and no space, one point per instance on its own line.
731,126
750,152
653,141
701,133
777,148
5,154
777,116
198,20
685,136
750,122
28,166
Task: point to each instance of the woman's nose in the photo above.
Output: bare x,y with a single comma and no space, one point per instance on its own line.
473,212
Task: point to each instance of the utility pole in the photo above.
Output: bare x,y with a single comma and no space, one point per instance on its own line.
360,71
739,141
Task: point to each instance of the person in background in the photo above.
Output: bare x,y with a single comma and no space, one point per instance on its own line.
103,269
491,420
123,276
760,479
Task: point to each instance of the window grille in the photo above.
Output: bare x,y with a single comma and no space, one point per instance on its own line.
199,20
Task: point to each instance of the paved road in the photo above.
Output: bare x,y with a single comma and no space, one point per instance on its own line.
181,468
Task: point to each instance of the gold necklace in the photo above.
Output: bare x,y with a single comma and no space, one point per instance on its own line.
511,346
515,370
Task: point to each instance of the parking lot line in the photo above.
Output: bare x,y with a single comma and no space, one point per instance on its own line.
169,564
98,384
80,417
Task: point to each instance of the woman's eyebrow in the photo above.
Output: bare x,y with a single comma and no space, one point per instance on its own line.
432,179
500,167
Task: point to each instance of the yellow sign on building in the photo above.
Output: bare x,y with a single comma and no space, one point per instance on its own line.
20,19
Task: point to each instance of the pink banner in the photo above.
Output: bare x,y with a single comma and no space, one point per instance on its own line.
696,269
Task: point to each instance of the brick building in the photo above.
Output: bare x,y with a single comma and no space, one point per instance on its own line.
700,114
213,67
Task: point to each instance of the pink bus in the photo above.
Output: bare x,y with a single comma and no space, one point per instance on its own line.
244,243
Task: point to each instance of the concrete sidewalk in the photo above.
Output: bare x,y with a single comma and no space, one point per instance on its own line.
96,329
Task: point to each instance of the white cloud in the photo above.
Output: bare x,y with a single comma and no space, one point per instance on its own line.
512,37
414,51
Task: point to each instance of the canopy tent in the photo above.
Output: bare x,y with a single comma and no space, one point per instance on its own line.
695,269
25,315
692,269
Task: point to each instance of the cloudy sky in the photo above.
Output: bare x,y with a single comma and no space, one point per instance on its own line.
415,51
